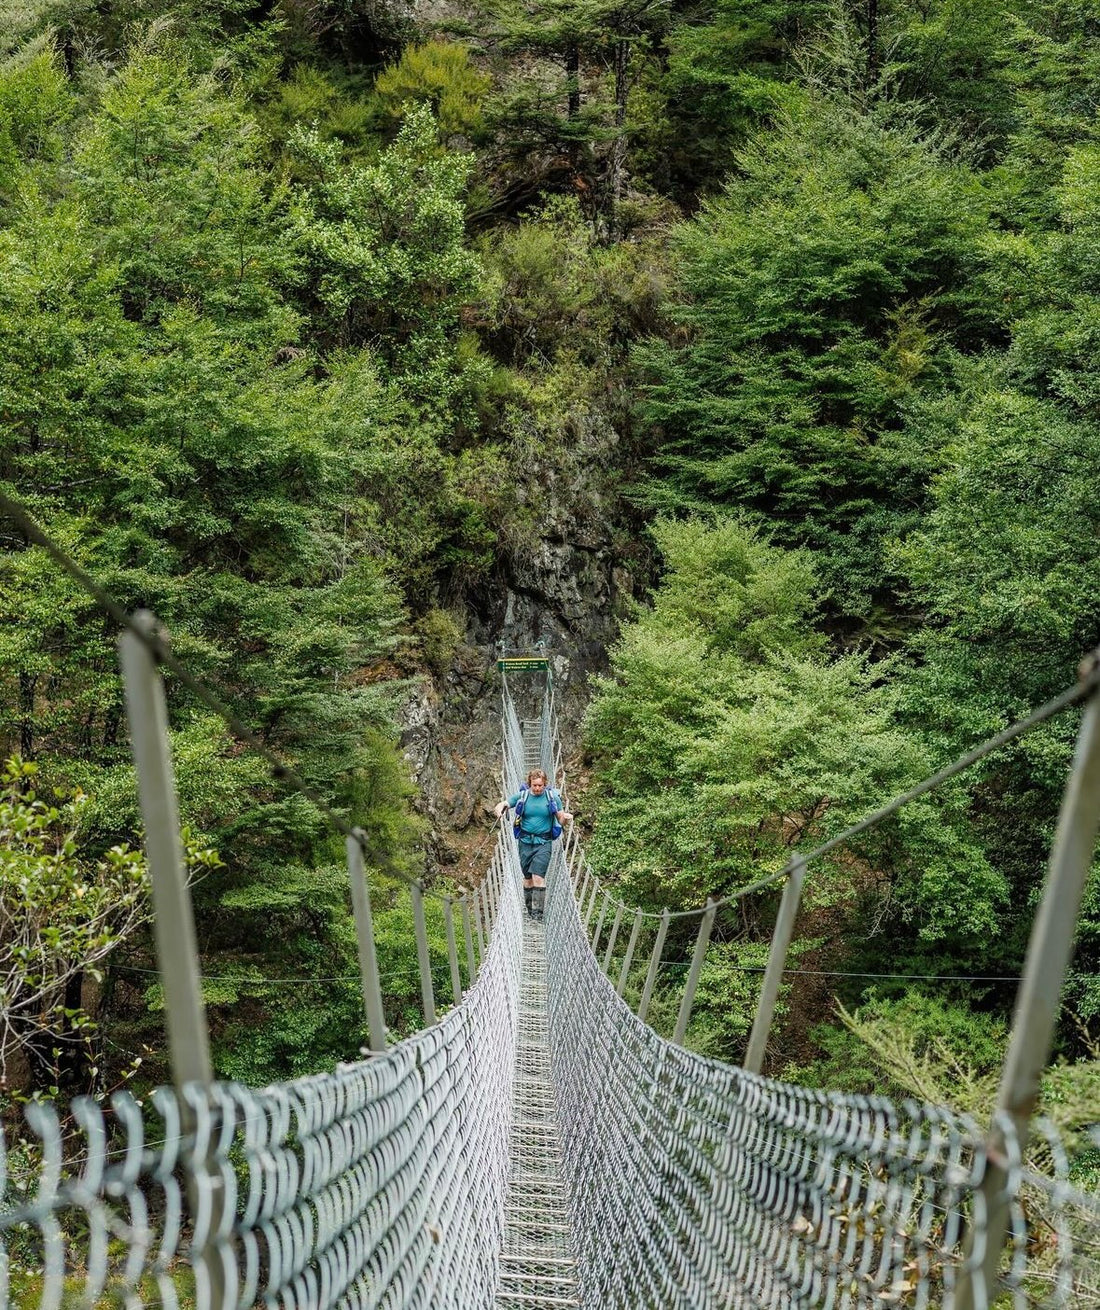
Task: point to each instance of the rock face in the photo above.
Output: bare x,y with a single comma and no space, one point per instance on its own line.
564,594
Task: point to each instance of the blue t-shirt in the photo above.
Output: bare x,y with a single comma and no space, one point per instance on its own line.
538,815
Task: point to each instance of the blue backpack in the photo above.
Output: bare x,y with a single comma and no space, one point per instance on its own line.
555,804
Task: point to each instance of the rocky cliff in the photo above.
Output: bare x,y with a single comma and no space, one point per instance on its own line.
563,590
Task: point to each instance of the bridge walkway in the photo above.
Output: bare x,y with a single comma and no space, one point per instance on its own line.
537,1266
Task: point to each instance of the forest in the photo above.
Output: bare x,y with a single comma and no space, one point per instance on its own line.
314,313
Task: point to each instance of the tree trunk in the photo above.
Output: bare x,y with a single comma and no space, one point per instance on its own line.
618,148
573,73
872,43
73,1061
35,1044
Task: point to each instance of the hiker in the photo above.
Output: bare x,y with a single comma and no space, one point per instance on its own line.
538,821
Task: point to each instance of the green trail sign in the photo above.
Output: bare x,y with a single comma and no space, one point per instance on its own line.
522,664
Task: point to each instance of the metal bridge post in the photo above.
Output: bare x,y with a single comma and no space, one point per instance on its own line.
364,936
173,919
1039,997
583,890
427,994
489,883
773,974
502,865
654,965
174,932
584,873
601,917
616,923
502,876
502,881
631,946
568,849
452,951
575,865
477,923
701,944
471,961
591,902
498,884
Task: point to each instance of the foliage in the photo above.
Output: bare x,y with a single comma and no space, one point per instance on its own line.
553,290
931,1048
440,635
946,1052
166,424
708,775
335,107
1017,465
726,73
383,242
725,738
439,74
280,362
62,914
804,299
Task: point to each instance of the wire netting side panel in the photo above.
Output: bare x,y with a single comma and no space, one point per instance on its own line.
382,1184
695,1184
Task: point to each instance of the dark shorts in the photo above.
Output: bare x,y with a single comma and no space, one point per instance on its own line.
534,860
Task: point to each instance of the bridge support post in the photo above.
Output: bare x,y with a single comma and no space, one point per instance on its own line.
701,944
471,961
174,934
452,951
477,922
773,974
427,993
364,936
490,884
615,926
498,885
631,946
591,902
601,918
1039,998
583,890
654,965
570,851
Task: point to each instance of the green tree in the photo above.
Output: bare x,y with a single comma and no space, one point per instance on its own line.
727,71
62,915
440,74
725,738
383,243
1004,564
162,414
813,301
601,47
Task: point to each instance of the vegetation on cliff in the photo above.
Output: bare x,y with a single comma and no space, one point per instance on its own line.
304,310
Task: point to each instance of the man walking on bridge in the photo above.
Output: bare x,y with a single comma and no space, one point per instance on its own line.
538,814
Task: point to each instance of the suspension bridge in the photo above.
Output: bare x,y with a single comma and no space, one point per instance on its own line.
538,1144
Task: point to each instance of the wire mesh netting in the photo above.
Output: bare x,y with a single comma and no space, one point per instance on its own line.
648,1176
381,1184
694,1183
